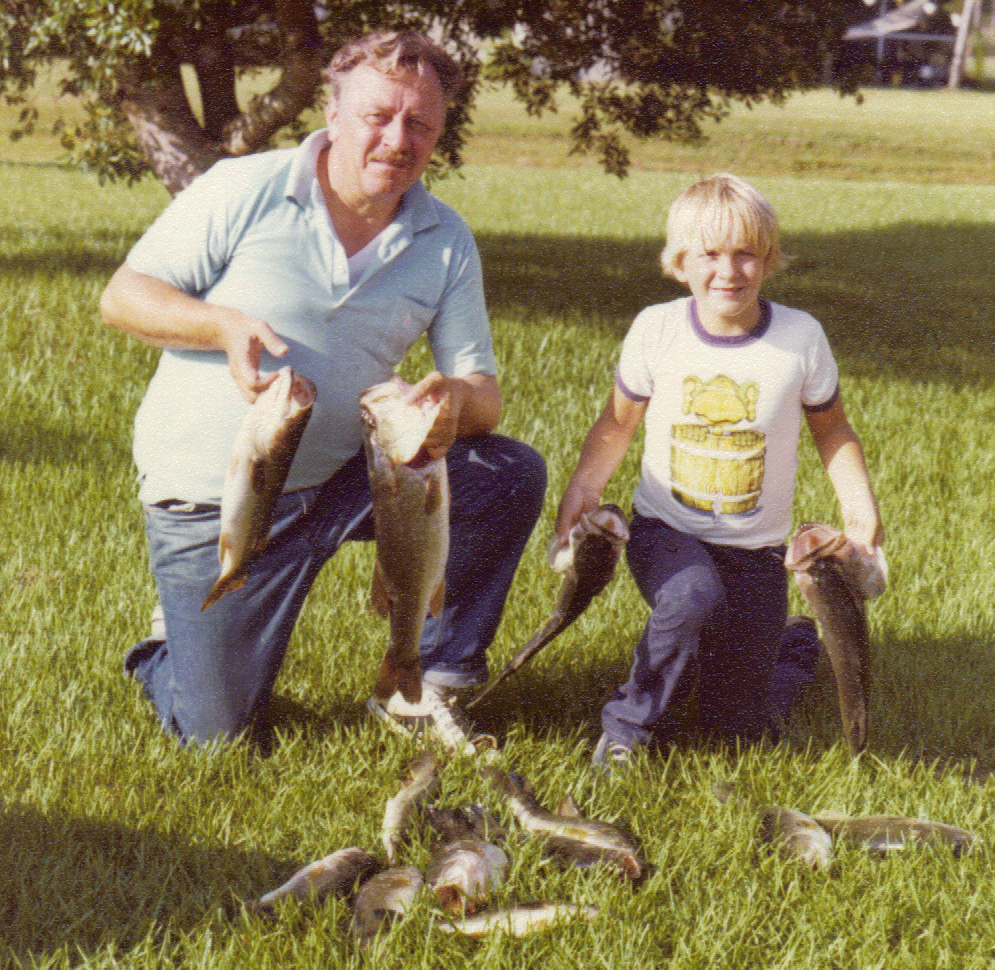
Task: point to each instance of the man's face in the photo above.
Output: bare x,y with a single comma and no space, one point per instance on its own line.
382,132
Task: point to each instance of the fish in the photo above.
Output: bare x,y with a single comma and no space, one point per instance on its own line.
336,875
587,563
260,461
411,524
572,825
463,872
796,836
519,920
422,778
456,822
884,834
836,579
382,899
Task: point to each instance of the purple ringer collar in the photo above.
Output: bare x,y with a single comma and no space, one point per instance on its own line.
763,325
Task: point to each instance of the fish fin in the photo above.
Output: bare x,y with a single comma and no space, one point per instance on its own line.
379,597
438,599
404,677
568,807
226,584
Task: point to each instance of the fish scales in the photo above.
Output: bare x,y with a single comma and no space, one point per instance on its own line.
463,872
410,495
383,898
260,461
334,875
835,582
587,563
519,920
890,833
796,836
422,778
533,817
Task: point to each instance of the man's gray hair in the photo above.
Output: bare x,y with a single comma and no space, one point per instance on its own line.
394,53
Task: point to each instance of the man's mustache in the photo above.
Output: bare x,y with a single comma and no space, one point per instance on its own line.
400,159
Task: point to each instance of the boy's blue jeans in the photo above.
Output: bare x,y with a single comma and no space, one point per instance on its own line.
215,670
717,619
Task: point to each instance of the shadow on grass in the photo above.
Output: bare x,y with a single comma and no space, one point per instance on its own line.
88,886
61,251
35,441
907,300
917,704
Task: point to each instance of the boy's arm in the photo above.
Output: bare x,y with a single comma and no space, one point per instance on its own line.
602,452
841,454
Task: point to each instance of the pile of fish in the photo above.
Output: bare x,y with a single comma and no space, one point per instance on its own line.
810,839
468,862
587,562
836,578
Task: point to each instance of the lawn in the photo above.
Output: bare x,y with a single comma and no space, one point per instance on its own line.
120,849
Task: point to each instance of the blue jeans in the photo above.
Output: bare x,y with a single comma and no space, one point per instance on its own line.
215,671
717,622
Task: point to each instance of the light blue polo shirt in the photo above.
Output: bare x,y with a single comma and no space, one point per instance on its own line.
254,234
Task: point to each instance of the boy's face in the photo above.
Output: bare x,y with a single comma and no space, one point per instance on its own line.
724,279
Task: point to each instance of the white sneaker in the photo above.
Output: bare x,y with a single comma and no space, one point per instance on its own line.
436,714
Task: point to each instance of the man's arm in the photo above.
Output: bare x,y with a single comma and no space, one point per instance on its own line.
161,314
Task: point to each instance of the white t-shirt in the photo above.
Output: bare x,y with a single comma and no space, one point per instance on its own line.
723,418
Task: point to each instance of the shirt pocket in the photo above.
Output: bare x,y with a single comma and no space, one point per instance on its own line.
408,320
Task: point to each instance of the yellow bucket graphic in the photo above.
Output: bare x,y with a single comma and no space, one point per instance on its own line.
716,471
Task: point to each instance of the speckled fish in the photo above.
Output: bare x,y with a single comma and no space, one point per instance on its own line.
890,833
457,822
411,523
337,874
796,835
534,818
587,563
836,578
519,920
462,873
422,778
382,899
260,461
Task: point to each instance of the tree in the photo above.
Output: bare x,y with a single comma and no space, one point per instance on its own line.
643,68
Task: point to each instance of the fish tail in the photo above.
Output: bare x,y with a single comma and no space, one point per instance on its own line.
394,676
226,584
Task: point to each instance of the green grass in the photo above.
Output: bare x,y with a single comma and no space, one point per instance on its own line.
120,849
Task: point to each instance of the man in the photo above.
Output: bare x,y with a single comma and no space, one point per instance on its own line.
333,258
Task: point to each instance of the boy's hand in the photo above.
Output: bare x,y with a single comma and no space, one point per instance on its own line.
577,500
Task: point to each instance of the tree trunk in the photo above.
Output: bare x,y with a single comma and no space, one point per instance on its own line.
967,18
177,147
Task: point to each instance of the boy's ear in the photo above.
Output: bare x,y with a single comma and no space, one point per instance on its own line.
677,270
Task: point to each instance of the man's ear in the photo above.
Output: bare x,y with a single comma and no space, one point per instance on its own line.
331,108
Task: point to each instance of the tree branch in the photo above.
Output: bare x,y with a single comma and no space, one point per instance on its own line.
300,63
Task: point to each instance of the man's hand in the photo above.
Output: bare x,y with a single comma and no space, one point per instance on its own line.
244,339
577,500
450,392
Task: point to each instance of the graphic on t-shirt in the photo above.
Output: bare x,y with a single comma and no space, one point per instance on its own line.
714,467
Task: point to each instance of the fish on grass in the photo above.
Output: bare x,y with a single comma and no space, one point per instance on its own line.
587,563
884,834
260,460
411,524
519,920
459,821
570,826
337,874
463,872
422,777
836,578
382,899
796,835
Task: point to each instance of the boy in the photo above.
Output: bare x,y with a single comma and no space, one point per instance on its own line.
722,378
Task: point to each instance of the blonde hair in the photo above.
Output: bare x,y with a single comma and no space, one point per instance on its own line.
720,210
395,52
